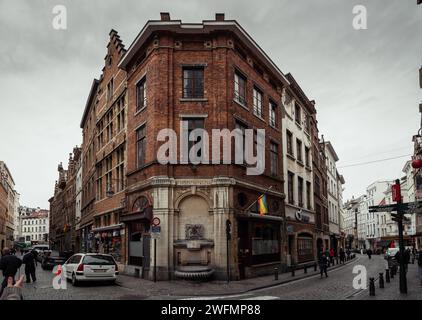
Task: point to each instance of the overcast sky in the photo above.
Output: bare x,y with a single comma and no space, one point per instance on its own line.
365,83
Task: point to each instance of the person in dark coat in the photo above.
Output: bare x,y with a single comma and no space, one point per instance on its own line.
323,262
369,253
342,255
30,262
10,265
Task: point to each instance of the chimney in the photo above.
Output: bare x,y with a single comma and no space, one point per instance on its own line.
219,16
165,16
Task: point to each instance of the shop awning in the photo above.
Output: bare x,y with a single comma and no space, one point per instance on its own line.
108,228
143,215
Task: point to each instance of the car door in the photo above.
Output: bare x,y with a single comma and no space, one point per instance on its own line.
71,265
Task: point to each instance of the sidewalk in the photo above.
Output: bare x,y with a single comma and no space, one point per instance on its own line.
392,289
213,288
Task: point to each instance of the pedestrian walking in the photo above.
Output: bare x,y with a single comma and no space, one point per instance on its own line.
9,264
369,253
342,255
331,256
323,264
29,259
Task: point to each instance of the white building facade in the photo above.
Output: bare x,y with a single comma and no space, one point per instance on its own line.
35,227
299,182
334,200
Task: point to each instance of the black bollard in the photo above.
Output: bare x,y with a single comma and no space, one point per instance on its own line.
315,267
371,286
387,275
381,280
337,260
305,269
275,273
293,271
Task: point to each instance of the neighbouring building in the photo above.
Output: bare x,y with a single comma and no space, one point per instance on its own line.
89,137
298,173
35,226
63,235
8,196
17,232
334,197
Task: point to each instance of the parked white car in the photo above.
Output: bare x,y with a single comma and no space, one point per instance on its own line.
90,267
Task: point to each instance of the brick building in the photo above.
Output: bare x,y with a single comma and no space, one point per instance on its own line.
209,75
62,221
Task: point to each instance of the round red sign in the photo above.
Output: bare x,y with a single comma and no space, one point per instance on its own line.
156,221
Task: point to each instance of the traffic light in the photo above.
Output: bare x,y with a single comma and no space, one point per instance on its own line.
228,229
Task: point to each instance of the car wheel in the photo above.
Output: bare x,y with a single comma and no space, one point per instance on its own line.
74,280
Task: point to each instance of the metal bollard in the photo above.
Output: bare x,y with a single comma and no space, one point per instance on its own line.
387,275
293,271
381,280
371,286
305,269
275,273
315,267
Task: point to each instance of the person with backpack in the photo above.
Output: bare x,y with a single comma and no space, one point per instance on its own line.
30,262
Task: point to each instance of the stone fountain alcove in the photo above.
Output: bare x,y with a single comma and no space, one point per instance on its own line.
194,248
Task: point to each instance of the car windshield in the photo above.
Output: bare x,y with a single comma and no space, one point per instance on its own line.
98,260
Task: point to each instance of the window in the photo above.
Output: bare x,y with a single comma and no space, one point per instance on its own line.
273,114
290,187
240,88
317,186
110,89
121,114
100,182
141,94
300,191
274,158
299,150
307,123
120,174
192,125
109,172
141,146
308,195
242,127
298,116
289,136
307,157
257,102
193,82
109,125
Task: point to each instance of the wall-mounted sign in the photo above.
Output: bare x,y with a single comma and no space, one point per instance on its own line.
301,217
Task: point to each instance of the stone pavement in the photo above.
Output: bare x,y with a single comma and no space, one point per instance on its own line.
392,289
183,288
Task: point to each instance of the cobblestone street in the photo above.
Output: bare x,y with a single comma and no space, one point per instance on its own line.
338,286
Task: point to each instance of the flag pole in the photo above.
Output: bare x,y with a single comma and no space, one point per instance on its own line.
265,192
